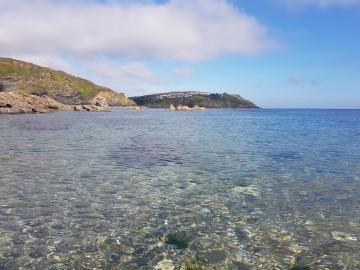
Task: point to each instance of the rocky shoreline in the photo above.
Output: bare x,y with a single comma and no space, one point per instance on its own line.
20,102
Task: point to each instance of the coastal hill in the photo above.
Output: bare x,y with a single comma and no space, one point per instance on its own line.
30,79
193,98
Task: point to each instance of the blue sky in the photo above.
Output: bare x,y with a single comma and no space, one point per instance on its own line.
277,53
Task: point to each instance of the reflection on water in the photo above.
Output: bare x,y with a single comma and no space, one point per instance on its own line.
217,189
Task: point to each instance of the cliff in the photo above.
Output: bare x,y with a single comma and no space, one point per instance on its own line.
31,79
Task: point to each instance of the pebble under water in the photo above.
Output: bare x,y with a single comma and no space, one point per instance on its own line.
151,189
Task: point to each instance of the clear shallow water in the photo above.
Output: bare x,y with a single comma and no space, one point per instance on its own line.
250,189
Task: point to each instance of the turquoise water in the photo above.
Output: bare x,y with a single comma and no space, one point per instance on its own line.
151,189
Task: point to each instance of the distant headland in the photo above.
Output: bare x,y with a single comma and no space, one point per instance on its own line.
29,88
192,99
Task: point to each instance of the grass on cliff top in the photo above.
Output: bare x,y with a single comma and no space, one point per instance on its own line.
9,70
46,78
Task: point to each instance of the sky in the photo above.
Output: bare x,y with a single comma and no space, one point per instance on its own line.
277,53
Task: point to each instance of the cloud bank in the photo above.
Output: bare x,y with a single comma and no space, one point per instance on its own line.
129,73
182,30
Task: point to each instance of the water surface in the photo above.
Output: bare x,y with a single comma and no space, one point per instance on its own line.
248,189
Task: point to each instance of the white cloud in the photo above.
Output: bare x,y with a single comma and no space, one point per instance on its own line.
319,3
130,73
183,72
182,30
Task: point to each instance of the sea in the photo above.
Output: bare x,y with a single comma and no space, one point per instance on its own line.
227,189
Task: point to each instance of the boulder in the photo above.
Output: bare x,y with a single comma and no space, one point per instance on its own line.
89,108
172,108
198,108
183,108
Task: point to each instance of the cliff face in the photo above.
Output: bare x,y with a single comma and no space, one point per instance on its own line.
191,99
35,80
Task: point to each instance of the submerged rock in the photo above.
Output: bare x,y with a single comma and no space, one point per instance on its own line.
343,236
245,257
178,239
165,264
241,234
213,255
300,267
249,190
191,265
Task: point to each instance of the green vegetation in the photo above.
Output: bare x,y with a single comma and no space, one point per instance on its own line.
86,88
178,239
9,70
58,76
22,76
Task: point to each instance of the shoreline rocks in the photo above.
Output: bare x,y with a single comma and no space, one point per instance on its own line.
131,107
20,102
89,108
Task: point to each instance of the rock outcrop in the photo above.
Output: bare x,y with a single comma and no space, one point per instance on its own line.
20,102
198,108
111,99
172,108
89,108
